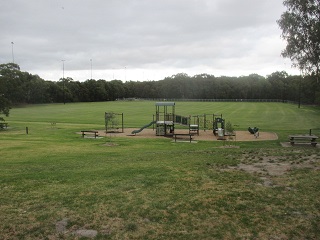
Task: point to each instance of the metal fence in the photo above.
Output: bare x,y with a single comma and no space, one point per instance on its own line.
213,100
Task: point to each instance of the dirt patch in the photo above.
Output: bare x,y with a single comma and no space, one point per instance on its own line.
61,228
110,144
268,167
203,135
304,145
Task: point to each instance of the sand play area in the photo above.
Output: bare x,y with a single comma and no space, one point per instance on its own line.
203,135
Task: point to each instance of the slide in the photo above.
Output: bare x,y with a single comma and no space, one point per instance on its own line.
139,130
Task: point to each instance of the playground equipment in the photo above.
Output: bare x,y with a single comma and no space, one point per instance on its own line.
114,122
145,126
219,126
209,122
165,118
194,129
253,130
187,121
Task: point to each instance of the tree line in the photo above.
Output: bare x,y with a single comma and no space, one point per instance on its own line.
18,87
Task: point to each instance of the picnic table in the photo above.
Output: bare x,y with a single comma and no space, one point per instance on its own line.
93,132
303,138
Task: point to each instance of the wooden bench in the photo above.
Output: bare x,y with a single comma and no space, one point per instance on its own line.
312,139
95,133
176,135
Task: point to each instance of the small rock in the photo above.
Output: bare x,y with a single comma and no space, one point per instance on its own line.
86,233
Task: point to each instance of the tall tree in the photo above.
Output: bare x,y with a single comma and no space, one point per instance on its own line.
300,26
4,106
7,72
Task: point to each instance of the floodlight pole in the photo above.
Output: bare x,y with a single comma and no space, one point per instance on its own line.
299,95
299,100
64,102
12,52
91,68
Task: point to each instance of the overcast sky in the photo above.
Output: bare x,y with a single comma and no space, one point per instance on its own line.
142,39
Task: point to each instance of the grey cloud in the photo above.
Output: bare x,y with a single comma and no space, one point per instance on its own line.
140,34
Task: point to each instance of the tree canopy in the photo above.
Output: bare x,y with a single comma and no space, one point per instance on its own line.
6,71
300,26
18,87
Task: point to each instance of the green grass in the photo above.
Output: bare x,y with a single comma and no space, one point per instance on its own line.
267,116
153,188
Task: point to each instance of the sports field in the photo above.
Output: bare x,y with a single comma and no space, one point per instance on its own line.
269,116
57,185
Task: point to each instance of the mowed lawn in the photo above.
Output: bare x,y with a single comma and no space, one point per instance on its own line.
268,116
54,183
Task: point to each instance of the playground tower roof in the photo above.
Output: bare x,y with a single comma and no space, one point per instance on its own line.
165,103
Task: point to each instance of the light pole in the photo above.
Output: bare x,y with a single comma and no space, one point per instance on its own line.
64,102
12,52
91,68
299,95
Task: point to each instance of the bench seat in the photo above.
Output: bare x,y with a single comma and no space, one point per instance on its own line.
95,133
296,139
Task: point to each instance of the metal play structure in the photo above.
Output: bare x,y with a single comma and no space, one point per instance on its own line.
165,116
114,122
165,119
219,126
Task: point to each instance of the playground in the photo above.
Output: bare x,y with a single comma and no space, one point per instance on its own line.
166,123
203,135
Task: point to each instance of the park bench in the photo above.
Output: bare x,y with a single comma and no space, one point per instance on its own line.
92,132
304,138
182,135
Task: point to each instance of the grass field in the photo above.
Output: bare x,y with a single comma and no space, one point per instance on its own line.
126,188
267,116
